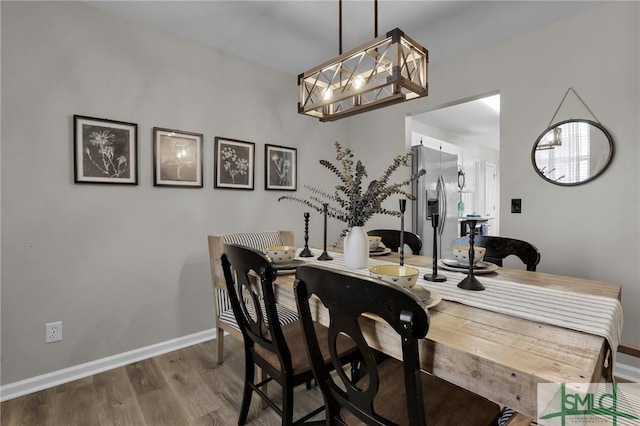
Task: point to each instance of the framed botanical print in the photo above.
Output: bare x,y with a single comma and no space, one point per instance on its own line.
177,158
105,151
234,164
280,168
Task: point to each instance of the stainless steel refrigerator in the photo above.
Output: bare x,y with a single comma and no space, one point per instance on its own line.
441,183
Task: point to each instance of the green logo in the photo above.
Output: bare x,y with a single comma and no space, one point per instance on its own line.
589,403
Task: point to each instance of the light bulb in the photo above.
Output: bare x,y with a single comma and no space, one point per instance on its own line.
327,94
358,82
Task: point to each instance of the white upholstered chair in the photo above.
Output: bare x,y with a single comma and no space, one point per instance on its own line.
225,320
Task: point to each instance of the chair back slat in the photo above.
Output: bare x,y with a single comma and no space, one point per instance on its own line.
348,298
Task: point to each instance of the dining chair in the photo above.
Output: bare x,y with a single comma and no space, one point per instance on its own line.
225,319
391,239
276,350
390,391
499,248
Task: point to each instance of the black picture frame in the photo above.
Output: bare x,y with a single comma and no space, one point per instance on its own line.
105,151
177,158
234,164
280,168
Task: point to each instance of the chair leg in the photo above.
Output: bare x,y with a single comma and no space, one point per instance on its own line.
219,345
287,403
261,377
249,368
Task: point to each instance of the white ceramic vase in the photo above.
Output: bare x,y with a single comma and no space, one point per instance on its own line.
356,248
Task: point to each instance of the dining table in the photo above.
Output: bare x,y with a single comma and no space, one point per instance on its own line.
500,353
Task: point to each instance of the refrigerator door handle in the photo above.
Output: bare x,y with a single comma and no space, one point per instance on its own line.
442,196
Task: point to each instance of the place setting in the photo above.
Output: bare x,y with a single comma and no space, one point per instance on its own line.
283,259
376,248
460,261
406,277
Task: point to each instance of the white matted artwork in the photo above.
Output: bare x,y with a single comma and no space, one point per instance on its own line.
280,168
177,158
234,164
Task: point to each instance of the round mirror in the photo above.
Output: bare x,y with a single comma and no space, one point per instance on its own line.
572,152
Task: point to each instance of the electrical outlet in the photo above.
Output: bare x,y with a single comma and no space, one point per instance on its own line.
53,332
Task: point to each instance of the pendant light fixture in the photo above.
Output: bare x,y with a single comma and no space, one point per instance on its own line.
389,69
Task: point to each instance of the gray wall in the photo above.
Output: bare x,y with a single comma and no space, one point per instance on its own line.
125,267
592,230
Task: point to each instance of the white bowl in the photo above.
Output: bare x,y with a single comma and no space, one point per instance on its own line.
461,253
403,276
374,242
281,255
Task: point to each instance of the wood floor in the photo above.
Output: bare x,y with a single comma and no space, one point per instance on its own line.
180,388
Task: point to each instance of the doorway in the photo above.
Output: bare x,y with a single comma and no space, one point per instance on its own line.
470,129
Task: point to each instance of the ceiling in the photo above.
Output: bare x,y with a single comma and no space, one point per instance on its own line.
296,35
472,121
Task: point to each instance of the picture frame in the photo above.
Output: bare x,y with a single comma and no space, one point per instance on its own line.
280,168
105,151
177,158
234,164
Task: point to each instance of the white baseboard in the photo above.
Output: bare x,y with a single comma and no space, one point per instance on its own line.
34,384
627,372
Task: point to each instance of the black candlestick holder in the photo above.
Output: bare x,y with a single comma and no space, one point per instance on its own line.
470,282
306,252
403,206
434,277
325,255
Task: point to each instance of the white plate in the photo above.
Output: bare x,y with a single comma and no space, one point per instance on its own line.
432,297
491,267
383,252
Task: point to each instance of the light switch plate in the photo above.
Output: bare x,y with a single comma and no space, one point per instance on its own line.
516,205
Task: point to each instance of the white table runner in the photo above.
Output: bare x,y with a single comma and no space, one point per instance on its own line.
597,315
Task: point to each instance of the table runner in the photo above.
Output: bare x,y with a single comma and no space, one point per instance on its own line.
598,315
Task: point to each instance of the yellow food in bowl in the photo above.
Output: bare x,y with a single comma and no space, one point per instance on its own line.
461,253
281,255
403,276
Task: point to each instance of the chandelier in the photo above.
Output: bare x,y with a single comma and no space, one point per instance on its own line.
389,69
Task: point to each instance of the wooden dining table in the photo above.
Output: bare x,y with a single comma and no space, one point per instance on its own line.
496,355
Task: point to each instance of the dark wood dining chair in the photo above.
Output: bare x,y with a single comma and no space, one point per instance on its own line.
499,248
391,239
225,319
278,350
391,391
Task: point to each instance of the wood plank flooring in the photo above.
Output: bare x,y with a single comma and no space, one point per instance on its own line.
181,388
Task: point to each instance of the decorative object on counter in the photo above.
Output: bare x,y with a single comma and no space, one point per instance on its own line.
470,282
306,252
234,164
325,255
280,168
574,151
433,210
105,151
403,207
351,204
461,182
177,158
387,70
